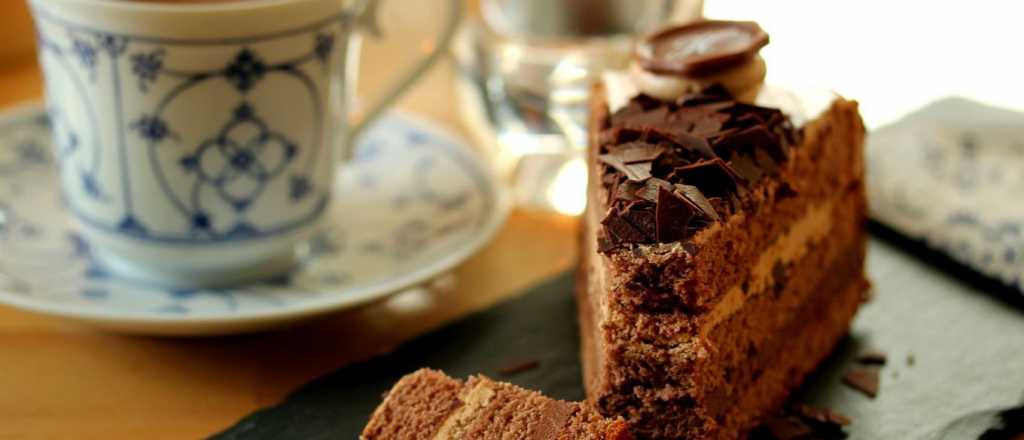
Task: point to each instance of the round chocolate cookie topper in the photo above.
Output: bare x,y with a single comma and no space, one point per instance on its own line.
700,48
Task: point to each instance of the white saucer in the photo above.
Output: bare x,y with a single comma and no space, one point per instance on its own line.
415,203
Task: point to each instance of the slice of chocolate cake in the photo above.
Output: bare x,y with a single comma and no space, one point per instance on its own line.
722,253
427,405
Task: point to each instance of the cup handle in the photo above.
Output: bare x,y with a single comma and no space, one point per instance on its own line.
405,80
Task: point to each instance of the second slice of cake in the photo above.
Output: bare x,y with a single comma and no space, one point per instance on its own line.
428,405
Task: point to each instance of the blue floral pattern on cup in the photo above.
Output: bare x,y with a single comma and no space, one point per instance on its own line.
239,161
450,200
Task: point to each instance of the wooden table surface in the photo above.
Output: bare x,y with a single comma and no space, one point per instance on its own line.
59,379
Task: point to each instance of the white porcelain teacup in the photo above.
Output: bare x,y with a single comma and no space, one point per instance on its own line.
198,142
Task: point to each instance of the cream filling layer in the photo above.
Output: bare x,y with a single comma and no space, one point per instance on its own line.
473,401
814,226
742,81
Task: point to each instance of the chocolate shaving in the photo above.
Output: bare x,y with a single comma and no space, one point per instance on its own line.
641,216
872,358
699,156
638,171
633,223
616,135
708,124
673,214
655,117
613,187
748,119
767,116
697,199
640,152
684,139
750,141
634,108
864,380
716,176
627,190
746,167
651,188
633,171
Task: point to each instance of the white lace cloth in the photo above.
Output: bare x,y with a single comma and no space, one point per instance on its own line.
952,175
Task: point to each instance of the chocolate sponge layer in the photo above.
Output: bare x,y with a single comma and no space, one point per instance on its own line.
756,355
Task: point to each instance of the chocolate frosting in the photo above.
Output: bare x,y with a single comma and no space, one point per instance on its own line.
700,48
672,168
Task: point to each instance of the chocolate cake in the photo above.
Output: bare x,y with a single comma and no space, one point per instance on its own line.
722,253
428,405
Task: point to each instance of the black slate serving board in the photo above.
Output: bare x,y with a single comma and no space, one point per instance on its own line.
964,333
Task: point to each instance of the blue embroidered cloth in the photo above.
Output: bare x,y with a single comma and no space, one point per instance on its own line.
952,176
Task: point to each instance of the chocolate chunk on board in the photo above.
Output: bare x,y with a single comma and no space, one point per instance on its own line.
864,380
821,415
872,358
519,367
